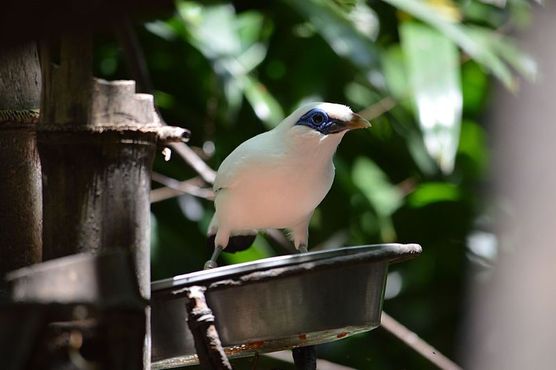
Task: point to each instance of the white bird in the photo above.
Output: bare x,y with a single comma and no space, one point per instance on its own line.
276,179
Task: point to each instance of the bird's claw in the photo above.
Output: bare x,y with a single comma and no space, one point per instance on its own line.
302,249
210,264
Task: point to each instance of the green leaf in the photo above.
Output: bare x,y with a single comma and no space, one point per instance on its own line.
506,49
265,106
473,145
383,196
360,95
475,46
260,249
393,67
211,28
364,19
374,184
474,87
161,29
164,100
434,75
249,26
339,31
433,192
231,43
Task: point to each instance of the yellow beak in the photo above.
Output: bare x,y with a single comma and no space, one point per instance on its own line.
357,121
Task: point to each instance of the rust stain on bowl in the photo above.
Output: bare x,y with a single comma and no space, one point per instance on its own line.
255,345
342,334
302,336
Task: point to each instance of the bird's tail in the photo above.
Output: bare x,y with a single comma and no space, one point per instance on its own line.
236,243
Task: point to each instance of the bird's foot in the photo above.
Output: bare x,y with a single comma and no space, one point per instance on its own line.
302,249
210,264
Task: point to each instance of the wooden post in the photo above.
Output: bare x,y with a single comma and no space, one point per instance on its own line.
20,182
97,141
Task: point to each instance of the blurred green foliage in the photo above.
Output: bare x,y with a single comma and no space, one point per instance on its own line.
421,70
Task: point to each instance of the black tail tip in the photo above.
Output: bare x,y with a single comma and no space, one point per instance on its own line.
236,243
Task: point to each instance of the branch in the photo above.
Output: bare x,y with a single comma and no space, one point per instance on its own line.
174,188
378,109
200,321
189,156
413,341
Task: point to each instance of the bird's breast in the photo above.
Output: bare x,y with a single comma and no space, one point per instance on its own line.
277,196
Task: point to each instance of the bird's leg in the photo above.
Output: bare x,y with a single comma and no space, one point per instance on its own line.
210,264
300,235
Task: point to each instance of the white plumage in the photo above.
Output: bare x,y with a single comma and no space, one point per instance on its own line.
278,178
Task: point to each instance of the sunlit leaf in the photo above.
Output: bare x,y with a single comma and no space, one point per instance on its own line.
364,19
161,29
375,185
334,25
433,192
433,71
233,91
447,8
475,47
211,28
252,57
506,49
249,26
266,107
231,43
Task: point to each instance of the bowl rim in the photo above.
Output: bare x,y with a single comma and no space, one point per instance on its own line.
392,252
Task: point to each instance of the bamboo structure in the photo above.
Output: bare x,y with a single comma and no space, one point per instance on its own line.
20,182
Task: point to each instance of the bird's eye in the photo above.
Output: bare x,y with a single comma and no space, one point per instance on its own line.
318,118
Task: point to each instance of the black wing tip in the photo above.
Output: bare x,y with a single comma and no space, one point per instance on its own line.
236,243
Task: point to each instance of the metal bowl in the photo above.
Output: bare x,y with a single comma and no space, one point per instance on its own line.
277,303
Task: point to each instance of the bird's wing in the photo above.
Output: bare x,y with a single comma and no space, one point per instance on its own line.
258,151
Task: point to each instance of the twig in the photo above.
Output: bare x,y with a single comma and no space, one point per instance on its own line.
173,188
200,321
378,109
195,162
413,341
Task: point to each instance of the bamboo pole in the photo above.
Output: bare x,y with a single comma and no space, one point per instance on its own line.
96,150
20,182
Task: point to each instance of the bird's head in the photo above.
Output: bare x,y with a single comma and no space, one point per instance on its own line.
325,118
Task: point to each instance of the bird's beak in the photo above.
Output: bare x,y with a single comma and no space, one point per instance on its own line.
357,121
